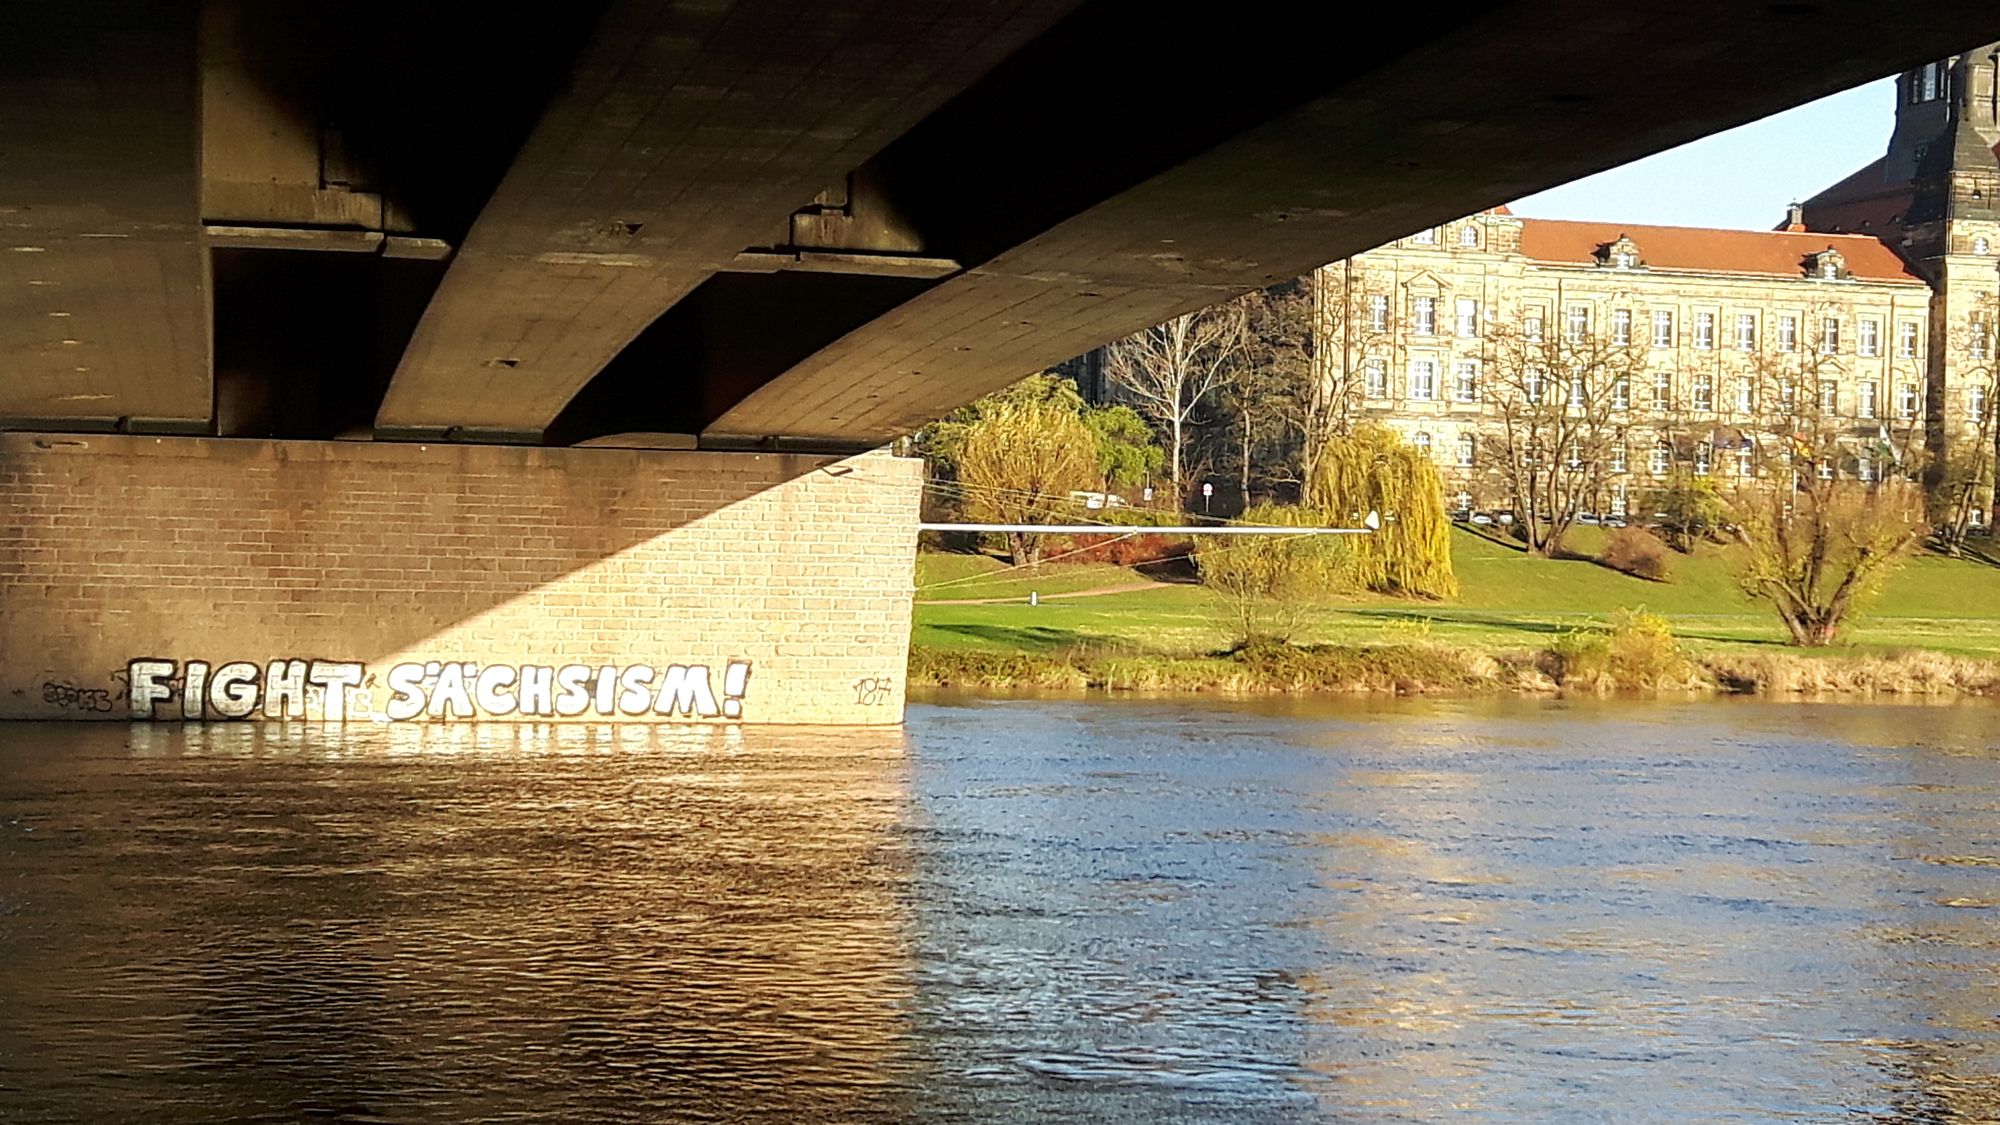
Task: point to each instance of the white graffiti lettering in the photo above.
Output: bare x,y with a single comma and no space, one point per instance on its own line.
341,690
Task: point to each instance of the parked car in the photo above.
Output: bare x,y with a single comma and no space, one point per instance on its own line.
1095,500
1482,519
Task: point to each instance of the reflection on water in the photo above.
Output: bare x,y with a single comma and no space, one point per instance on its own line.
596,925
1014,911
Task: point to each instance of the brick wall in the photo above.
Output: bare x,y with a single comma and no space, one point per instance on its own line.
574,584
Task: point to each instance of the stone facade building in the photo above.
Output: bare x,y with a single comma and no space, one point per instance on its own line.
1876,298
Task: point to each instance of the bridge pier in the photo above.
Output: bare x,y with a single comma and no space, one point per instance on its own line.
183,579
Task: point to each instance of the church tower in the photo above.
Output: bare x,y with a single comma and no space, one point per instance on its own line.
1934,198
1947,127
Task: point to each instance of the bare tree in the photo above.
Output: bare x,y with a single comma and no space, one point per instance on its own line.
1816,549
1965,477
1554,399
1837,507
1351,315
1168,371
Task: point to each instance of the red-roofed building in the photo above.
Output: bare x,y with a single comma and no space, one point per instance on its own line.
1873,304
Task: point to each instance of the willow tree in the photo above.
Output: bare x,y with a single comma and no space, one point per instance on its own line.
1372,470
1018,462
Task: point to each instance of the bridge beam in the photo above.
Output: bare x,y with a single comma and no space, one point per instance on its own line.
688,134
1432,118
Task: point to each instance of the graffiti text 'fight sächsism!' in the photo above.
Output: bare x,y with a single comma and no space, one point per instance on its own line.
337,691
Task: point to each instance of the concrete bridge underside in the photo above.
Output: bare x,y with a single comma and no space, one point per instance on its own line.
768,223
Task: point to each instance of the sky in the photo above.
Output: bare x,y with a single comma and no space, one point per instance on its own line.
1742,178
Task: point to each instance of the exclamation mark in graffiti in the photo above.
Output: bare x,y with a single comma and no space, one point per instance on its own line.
734,680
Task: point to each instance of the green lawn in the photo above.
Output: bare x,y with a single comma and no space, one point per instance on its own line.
1507,601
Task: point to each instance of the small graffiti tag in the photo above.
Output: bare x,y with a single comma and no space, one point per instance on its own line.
64,694
873,691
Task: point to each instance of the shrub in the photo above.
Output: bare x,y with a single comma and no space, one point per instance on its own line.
1636,552
1638,652
1137,550
1269,584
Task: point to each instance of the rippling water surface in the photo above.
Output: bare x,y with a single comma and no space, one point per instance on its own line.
1013,911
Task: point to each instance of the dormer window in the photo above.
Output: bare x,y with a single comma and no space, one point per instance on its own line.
1930,82
1827,265
1622,254
1425,237
1468,235
1981,247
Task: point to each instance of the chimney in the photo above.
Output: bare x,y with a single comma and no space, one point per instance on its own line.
1795,217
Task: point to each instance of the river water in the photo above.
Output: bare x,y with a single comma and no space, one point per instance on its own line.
1013,911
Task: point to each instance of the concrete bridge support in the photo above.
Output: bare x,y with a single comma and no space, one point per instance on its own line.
184,579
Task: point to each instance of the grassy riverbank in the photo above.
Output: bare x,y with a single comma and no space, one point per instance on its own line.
1934,630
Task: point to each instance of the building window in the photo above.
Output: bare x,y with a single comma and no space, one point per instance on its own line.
1423,380
1468,317
1619,460
1531,325
1865,406
1422,441
1746,397
1462,502
1425,237
1576,395
1980,246
1704,392
1746,459
1468,448
1663,391
1704,331
1378,312
1618,504
1468,235
1829,268
1906,402
1825,471
1980,340
1375,374
1573,458
1931,82
1746,332
1625,259
1864,467
1870,341
1621,327
1906,339
1787,396
1829,336
1621,393
1829,396
1975,404
1578,324
1465,381
1788,333
1427,316
1663,458
1663,328
1531,384
1704,455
